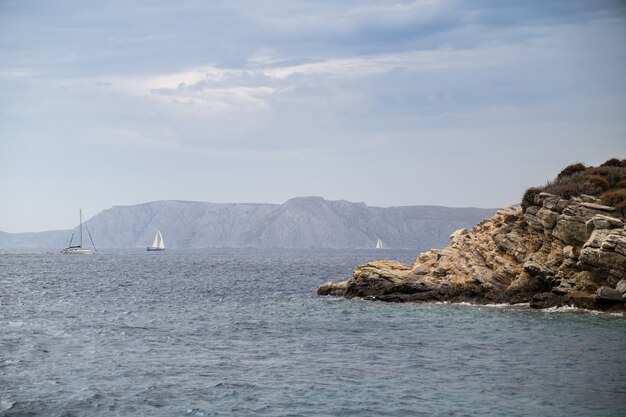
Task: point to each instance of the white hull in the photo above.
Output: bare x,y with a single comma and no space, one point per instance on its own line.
154,249
78,251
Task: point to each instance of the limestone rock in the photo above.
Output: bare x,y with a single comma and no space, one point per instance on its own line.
601,221
609,294
457,233
601,259
333,288
546,199
597,238
547,300
596,206
571,230
569,252
616,241
565,286
508,242
537,269
558,252
524,287
589,198
375,277
547,218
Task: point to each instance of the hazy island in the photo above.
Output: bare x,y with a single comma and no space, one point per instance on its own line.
565,245
298,223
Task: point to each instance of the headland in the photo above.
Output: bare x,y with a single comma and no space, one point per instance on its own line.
564,245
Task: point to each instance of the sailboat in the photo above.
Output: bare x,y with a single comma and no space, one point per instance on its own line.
79,249
379,244
158,244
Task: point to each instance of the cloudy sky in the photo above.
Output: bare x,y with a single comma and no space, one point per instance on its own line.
399,102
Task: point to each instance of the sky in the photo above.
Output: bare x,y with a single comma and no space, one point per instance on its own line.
437,102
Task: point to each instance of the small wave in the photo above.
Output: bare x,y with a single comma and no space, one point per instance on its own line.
516,306
8,362
573,309
6,405
490,305
526,307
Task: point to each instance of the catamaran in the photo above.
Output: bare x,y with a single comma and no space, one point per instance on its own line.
379,244
79,249
158,244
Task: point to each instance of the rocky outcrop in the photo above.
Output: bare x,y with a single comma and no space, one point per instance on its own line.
558,252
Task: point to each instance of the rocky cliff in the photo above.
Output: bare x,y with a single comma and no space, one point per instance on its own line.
558,251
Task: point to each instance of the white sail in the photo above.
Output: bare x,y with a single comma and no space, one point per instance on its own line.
379,244
158,244
155,244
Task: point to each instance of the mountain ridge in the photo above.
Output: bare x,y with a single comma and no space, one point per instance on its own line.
298,223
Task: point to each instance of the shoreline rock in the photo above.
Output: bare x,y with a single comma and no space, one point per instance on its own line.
557,252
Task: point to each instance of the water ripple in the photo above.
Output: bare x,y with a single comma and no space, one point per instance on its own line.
219,333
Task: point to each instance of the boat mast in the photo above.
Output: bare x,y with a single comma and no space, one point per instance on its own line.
90,238
80,215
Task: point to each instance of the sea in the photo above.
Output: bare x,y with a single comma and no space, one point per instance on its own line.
243,333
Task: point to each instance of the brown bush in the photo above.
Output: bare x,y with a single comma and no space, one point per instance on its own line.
602,171
607,182
614,198
599,181
571,189
571,170
620,209
616,175
614,162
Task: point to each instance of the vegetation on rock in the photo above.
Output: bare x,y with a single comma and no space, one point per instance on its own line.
607,182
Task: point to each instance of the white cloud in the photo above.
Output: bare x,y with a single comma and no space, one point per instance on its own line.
407,61
214,89
206,88
17,73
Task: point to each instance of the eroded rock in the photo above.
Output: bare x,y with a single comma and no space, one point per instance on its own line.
609,294
558,252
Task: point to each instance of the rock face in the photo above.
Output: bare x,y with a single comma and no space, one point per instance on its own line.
558,252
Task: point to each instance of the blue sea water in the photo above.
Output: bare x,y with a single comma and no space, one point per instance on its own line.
225,332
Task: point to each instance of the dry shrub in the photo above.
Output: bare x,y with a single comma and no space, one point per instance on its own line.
566,189
607,181
599,181
571,170
614,198
601,171
614,162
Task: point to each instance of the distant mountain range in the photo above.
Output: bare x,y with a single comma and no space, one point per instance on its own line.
304,222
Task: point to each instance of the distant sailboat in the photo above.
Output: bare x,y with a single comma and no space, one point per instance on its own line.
379,244
79,249
158,244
